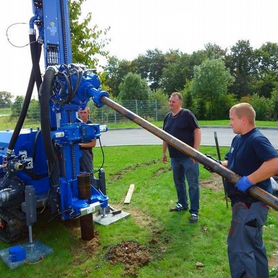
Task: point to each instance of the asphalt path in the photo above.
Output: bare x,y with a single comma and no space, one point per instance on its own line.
140,136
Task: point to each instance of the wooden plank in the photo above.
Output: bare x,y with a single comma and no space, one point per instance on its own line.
129,194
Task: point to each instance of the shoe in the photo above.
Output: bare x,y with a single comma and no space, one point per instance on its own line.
178,207
194,218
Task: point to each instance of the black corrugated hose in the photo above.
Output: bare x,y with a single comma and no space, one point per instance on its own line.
45,94
35,76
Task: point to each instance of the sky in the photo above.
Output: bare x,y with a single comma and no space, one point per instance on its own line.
139,25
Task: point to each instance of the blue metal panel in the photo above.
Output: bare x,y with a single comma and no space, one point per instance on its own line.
53,21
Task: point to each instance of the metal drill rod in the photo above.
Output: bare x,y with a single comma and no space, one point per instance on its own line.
229,175
86,221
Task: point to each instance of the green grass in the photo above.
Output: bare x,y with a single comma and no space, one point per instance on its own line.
176,246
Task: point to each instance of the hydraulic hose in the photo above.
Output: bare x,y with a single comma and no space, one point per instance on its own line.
35,76
45,94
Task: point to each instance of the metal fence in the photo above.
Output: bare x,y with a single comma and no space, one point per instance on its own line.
149,110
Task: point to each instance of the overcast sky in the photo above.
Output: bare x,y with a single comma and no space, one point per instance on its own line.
139,25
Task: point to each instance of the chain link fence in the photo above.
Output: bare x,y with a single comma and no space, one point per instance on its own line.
147,109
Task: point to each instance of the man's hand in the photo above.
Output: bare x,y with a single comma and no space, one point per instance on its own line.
244,184
164,158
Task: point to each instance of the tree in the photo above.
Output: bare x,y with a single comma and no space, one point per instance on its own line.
150,67
176,73
267,57
5,98
267,69
242,65
34,110
115,72
213,51
274,104
87,41
134,87
17,105
262,107
210,83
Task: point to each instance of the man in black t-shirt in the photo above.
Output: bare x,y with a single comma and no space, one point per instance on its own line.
253,157
182,124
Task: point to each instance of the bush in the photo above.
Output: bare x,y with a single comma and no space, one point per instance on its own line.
262,107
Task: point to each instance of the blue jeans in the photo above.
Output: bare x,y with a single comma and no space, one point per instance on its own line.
185,167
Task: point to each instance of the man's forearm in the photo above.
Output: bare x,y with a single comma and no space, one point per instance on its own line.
164,147
197,138
267,170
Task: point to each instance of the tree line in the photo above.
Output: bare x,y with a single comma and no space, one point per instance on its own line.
211,80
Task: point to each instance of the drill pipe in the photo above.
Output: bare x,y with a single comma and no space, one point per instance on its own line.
229,175
86,221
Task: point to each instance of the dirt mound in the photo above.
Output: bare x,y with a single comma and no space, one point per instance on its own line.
131,254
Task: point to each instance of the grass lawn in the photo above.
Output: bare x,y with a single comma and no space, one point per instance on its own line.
171,246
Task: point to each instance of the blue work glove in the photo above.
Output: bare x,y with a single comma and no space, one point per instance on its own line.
244,184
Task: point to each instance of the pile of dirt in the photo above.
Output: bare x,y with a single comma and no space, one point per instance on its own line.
131,254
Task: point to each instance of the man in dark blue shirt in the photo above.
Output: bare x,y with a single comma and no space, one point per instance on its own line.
86,161
182,124
253,157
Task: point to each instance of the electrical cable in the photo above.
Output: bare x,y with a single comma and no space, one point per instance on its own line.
103,157
7,35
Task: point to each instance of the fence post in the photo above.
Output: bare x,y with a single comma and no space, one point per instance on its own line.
136,107
156,113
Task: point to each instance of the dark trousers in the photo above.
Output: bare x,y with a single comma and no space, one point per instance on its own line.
246,250
185,167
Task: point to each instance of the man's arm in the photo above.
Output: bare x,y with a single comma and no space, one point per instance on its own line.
88,145
164,149
197,138
265,171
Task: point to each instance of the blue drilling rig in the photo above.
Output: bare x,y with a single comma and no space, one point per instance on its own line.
47,160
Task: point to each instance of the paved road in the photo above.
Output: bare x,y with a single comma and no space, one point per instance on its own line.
142,137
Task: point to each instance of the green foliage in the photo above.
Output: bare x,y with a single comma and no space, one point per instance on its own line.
115,73
34,110
88,42
209,87
161,100
16,106
150,67
274,104
242,64
254,71
134,87
176,73
262,107
5,99
266,84
214,51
